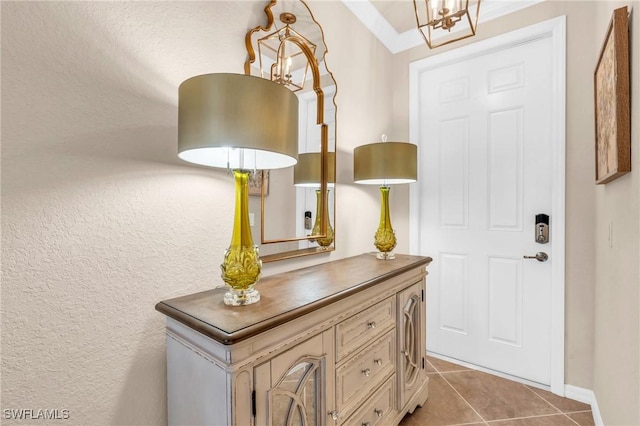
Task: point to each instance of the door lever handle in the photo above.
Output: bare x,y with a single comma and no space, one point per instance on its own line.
540,256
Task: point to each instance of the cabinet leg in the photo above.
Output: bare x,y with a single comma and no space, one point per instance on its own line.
420,398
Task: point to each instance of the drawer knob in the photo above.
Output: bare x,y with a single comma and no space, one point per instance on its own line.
366,372
378,361
379,413
334,414
371,324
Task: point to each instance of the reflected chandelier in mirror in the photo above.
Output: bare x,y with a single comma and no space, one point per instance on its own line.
290,50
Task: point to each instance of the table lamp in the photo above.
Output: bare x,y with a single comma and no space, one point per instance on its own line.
307,173
242,123
384,164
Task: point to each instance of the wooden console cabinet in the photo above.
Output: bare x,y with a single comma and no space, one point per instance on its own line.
342,343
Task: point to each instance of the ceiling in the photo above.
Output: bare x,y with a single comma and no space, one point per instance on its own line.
393,22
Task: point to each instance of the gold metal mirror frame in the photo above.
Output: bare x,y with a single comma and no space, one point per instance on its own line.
314,66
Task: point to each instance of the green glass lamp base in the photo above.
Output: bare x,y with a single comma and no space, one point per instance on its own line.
324,243
385,238
242,265
240,271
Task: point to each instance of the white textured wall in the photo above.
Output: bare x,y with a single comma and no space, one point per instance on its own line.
100,221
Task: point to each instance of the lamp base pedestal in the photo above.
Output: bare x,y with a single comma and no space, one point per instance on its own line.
385,237
242,265
235,297
389,255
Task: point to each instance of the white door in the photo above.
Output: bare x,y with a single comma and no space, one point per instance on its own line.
485,136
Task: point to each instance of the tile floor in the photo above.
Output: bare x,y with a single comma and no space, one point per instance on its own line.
458,395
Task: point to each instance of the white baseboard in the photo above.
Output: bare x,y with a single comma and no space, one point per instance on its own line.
588,397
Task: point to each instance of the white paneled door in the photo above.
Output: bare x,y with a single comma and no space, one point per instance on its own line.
485,142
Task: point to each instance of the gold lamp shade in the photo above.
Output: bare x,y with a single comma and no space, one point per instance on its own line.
307,171
242,123
385,163
237,121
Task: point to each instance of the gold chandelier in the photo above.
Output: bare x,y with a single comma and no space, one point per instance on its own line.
444,21
289,65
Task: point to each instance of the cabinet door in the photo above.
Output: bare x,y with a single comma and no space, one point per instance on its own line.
411,339
292,388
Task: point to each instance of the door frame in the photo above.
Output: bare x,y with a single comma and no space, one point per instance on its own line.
555,29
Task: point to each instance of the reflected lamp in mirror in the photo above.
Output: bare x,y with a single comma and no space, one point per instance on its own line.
242,123
308,173
281,59
442,22
384,164
297,43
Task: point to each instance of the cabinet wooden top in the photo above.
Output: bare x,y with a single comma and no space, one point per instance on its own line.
285,296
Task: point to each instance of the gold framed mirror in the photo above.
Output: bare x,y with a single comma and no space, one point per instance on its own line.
294,208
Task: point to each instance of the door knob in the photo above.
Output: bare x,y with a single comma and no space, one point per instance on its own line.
540,256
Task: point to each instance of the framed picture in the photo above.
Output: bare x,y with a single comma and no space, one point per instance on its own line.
258,180
612,115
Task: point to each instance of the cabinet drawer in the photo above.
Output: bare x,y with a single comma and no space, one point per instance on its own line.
364,327
360,375
378,408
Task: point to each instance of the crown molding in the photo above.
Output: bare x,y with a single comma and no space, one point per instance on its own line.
396,42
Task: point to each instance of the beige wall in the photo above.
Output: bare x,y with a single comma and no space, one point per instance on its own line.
617,317
100,221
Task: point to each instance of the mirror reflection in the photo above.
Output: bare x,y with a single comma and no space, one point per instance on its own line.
294,210
294,401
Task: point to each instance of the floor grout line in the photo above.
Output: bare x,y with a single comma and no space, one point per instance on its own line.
569,417
566,414
548,402
577,412
542,398
486,422
429,362
528,417
545,400
463,398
